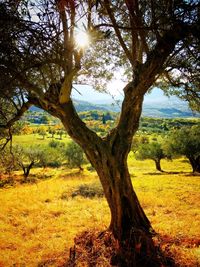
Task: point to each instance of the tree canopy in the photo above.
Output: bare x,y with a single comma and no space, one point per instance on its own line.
185,142
38,51
153,42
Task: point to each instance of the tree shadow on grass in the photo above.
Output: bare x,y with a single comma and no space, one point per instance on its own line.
73,174
154,173
167,173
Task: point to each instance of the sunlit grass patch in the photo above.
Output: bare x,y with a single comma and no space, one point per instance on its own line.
32,226
36,139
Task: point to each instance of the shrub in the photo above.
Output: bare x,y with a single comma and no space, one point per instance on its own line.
89,190
53,144
54,164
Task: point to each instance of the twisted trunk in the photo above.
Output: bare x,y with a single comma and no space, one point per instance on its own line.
129,224
108,156
27,169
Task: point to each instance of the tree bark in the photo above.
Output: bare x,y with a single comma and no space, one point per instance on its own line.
158,166
26,170
129,224
195,163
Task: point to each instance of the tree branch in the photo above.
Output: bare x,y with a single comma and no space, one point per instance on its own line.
144,78
117,31
17,116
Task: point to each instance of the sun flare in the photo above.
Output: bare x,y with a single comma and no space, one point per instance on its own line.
82,39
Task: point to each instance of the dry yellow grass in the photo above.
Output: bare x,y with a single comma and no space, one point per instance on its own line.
37,225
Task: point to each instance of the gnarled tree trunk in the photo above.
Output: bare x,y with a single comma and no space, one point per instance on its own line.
108,156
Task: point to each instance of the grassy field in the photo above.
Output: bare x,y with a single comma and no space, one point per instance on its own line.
39,221
36,139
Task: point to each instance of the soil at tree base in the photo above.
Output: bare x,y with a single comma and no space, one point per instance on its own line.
101,249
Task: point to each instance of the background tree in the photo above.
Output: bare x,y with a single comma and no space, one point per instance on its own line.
153,41
60,133
75,156
185,141
152,150
42,132
138,141
52,131
26,158
44,119
52,155
7,162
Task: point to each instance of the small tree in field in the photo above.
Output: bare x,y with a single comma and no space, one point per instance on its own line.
152,151
52,155
60,133
75,155
185,141
52,132
42,132
26,158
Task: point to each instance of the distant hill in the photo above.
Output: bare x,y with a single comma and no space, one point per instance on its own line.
163,109
87,106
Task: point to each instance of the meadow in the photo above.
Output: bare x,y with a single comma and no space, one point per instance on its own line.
39,220
36,139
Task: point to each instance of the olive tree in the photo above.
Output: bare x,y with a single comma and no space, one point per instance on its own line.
75,156
155,42
26,158
185,142
152,150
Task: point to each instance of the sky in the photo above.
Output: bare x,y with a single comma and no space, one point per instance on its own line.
87,93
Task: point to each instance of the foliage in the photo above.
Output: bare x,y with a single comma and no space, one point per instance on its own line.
185,141
56,144
93,120
52,131
52,155
75,155
163,126
7,161
60,133
139,140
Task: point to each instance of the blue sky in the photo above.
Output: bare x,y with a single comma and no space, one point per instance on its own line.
87,93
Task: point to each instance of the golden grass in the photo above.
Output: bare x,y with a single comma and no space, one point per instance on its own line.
37,225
